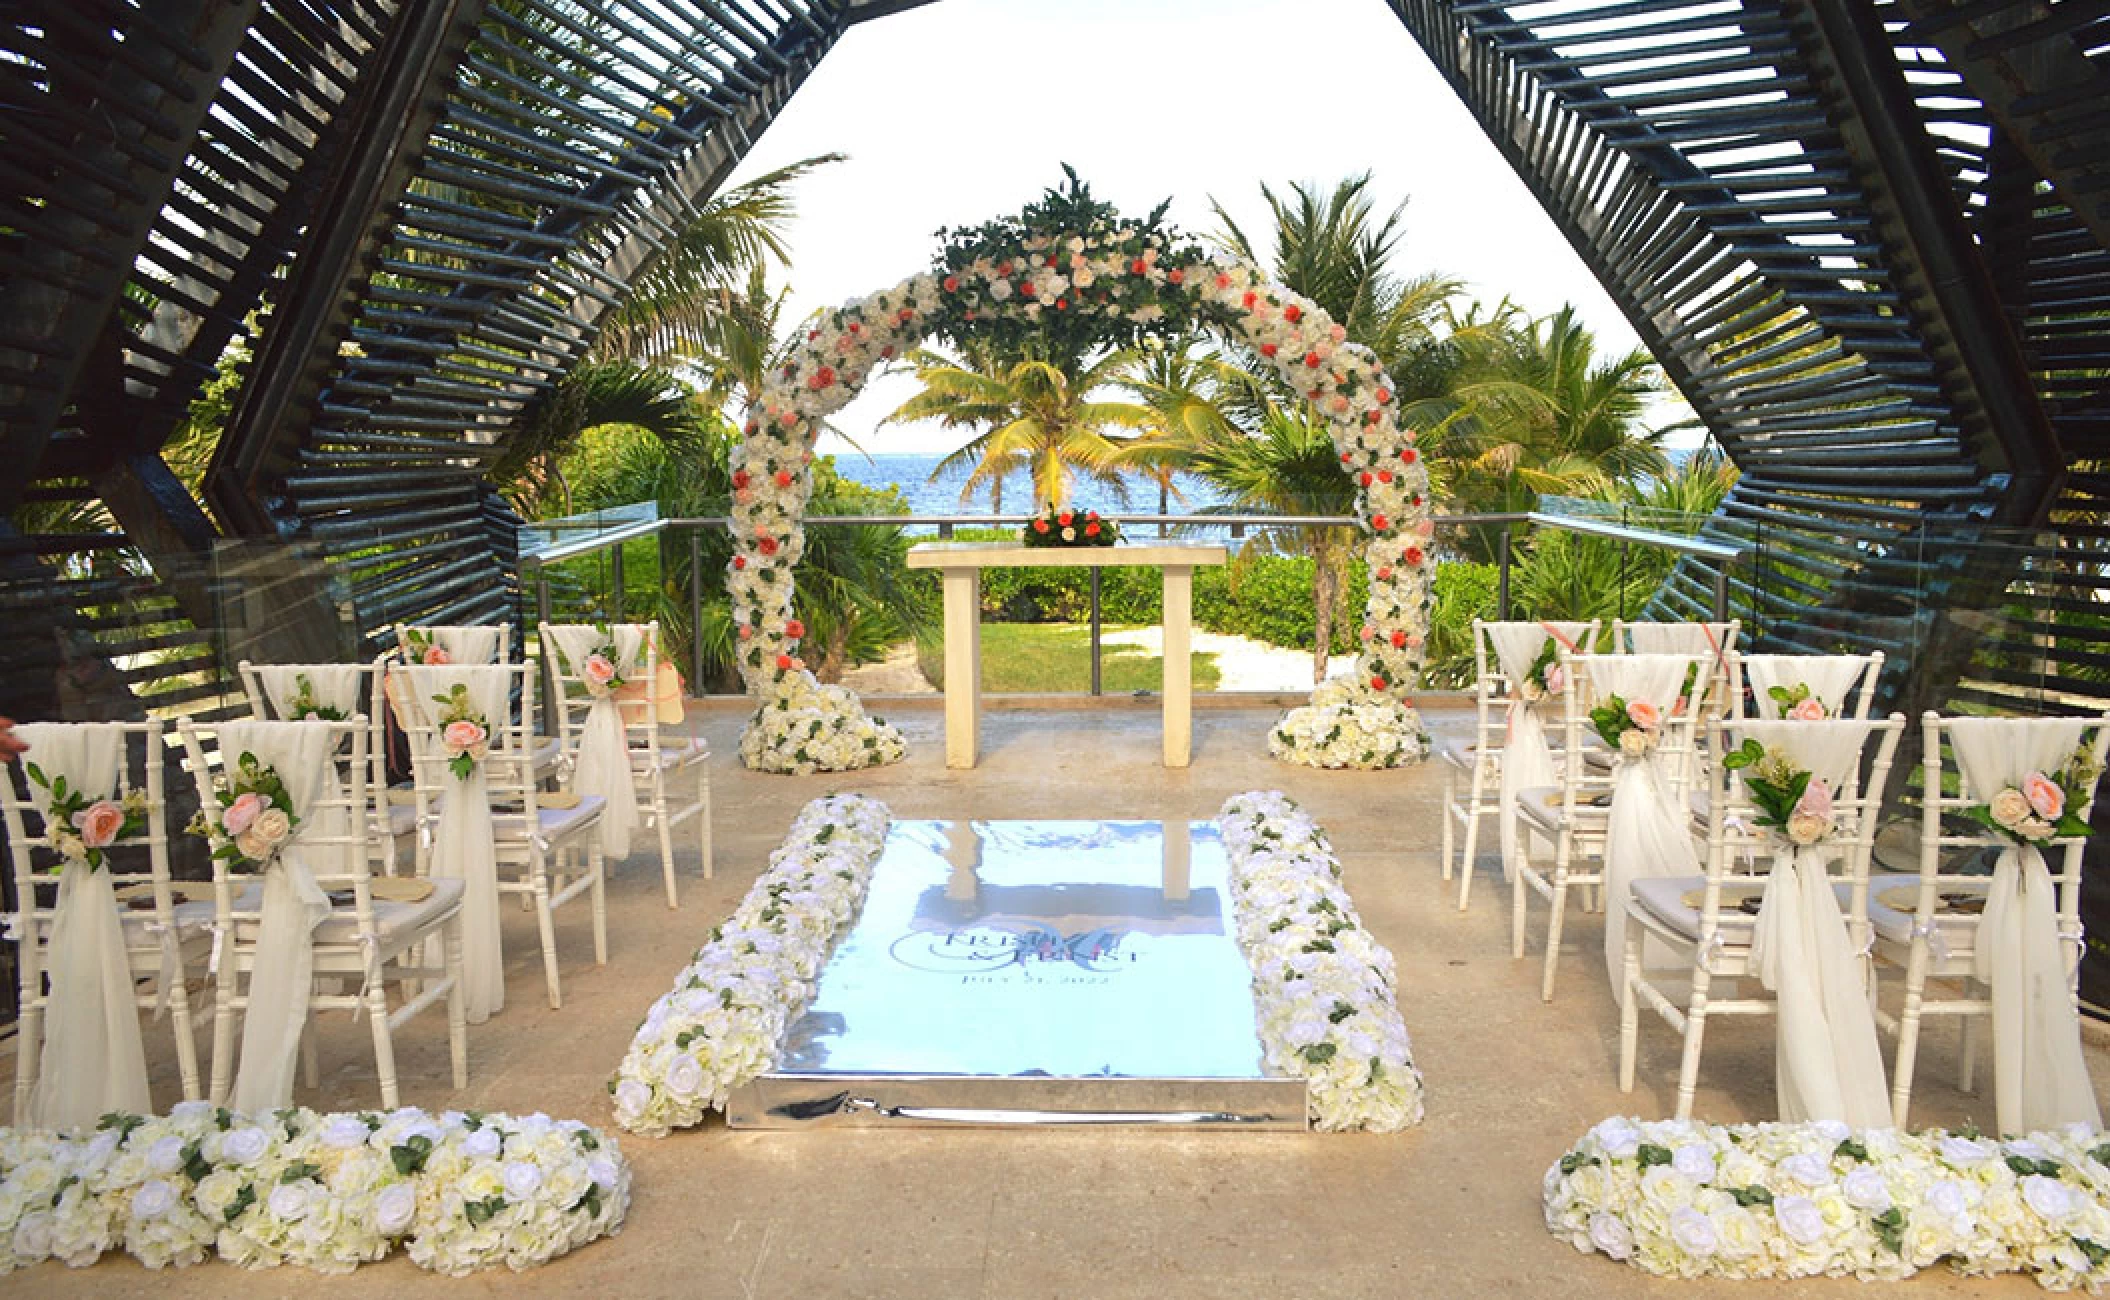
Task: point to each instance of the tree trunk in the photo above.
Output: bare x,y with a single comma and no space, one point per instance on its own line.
1323,583
829,669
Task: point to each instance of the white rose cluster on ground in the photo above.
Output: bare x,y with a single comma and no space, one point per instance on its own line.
458,1191
802,727
1347,724
1323,988
1679,1198
724,1020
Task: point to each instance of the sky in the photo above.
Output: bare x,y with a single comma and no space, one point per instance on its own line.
964,110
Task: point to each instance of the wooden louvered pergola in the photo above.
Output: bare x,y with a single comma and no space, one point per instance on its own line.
1868,239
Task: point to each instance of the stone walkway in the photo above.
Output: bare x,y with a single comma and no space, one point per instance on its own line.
1451,1209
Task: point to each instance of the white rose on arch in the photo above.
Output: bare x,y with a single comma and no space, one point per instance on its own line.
796,727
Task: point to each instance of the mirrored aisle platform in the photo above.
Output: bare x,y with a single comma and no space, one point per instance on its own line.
1015,972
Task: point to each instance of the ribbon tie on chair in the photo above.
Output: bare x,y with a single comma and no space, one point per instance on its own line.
603,766
282,980
2040,1079
465,843
1646,832
93,1060
1527,761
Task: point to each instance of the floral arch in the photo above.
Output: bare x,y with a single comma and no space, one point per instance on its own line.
1073,274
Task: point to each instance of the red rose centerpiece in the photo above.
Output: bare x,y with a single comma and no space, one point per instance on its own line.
1064,526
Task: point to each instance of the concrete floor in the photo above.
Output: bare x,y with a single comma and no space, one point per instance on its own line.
1450,1209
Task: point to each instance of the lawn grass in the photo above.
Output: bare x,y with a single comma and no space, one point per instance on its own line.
1031,658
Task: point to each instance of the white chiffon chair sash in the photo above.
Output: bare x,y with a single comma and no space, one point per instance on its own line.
464,645
1827,1063
336,686
293,905
1831,678
93,1061
1527,761
2040,1079
1646,833
464,844
603,761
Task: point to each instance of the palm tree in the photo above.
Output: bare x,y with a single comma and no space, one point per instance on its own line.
1035,414
679,303
528,469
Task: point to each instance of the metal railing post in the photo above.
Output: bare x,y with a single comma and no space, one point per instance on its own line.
615,599
1502,581
696,609
1095,631
1721,591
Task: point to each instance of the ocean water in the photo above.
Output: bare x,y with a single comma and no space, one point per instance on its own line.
911,473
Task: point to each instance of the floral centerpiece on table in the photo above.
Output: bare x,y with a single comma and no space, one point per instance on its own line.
2046,806
80,826
304,705
254,818
1064,527
464,733
1788,800
1797,704
1633,727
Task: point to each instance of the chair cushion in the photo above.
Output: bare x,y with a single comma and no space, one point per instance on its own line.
1664,897
672,756
551,823
392,919
1459,749
1541,806
1959,930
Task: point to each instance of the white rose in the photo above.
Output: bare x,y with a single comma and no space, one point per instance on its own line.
215,1192
1799,1219
602,1171
482,1144
1694,1161
1867,1190
1742,1236
153,1199
244,1146
289,1201
166,1155
1963,1152
684,1077
2010,808
2050,1197
394,1208
1948,1199
1611,1235
33,1234
1809,1169
344,1132
1693,1232
522,1178
1634,743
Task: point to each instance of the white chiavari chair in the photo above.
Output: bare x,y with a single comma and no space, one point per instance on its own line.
1706,923
162,933
375,934
1472,765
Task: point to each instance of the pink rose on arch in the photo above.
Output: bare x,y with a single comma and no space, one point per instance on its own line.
2045,797
1807,709
465,737
435,655
1644,715
1556,679
99,824
243,812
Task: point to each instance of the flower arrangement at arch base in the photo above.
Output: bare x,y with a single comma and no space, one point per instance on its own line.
1679,1198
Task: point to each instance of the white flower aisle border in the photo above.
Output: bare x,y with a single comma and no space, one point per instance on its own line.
1323,988
1679,1198
459,1191
722,1023
1074,270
